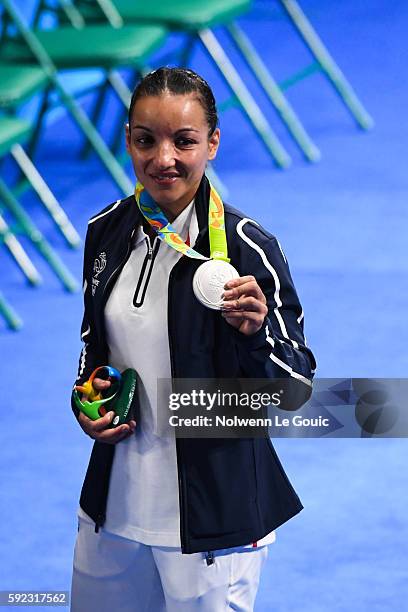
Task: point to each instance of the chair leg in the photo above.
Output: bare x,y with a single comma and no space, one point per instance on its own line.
94,116
80,117
327,64
274,93
248,104
46,196
9,314
118,132
120,87
18,253
186,51
97,143
37,238
38,124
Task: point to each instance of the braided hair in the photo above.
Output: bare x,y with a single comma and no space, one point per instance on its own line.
177,81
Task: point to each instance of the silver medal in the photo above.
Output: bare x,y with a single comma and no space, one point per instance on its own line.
209,280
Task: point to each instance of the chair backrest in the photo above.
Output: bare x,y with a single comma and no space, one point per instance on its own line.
18,31
107,9
62,11
79,12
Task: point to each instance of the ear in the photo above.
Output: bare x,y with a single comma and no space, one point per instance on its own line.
127,137
213,144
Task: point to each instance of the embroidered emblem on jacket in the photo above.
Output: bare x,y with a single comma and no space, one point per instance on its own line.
98,267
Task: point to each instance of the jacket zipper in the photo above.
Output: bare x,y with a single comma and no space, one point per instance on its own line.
183,513
144,277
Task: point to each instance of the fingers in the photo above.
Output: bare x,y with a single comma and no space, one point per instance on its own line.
100,385
113,436
98,429
247,321
251,315
244,306
245,296
244,285
103,422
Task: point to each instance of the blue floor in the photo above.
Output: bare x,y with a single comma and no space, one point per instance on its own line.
343,225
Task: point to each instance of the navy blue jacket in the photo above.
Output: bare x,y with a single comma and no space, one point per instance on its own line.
231,491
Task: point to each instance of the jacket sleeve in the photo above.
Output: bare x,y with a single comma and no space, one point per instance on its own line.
92,354
278,349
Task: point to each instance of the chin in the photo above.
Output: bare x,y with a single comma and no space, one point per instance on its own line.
165,194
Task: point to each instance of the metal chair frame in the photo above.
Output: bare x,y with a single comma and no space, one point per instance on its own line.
323,62
27,37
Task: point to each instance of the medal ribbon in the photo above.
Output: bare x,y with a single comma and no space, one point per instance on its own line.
166,232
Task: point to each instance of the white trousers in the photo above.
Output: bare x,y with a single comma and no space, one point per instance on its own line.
114,574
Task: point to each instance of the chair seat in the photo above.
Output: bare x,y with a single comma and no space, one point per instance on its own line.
12,131
183,14
93,46
18,83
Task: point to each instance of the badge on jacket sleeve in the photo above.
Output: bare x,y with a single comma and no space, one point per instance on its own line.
98,267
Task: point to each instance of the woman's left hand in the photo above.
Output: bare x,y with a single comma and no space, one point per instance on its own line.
244,304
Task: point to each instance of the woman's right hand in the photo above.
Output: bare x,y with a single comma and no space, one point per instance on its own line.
98,429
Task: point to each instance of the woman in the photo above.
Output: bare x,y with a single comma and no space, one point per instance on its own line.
165,524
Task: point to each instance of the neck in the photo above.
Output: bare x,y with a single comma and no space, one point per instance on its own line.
173,209
173,212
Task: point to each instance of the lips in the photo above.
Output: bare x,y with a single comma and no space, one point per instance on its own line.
165,178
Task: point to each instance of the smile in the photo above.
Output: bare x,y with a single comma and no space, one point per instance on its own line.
165,179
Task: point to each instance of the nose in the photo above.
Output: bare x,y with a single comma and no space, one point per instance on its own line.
164,155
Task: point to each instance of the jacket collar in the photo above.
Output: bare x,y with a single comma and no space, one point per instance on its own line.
201,202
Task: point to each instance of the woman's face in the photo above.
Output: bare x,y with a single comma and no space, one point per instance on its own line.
169,146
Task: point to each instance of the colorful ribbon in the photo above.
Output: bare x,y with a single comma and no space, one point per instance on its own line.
166,232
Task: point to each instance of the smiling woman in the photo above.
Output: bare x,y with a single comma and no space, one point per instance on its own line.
170,139
190,288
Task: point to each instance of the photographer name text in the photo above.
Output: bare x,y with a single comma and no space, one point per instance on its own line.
236,421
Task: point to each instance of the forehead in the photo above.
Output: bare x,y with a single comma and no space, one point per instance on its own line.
169,111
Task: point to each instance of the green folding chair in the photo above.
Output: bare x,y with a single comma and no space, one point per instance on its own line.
18,253
67,47
197,21
105,10
13,132
323,63
24,262
16,85
72,20
197,18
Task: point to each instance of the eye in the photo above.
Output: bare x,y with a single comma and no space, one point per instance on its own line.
143,140
183,142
